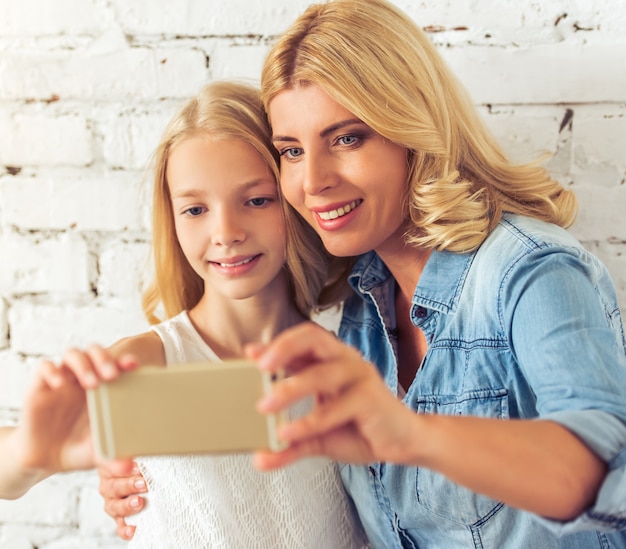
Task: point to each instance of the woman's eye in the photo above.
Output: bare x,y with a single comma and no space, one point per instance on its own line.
348,139
291,152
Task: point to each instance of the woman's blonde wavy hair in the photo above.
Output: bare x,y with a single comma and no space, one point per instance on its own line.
373,60
223,110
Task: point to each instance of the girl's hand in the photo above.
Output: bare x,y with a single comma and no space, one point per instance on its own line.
355,418
121,496
53,433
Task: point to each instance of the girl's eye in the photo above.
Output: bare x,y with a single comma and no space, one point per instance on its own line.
259,201
291,152
194,211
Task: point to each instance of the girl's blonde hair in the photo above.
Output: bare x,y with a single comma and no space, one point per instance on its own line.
223,110
373,60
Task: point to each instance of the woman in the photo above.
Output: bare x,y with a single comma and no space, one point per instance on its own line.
479,390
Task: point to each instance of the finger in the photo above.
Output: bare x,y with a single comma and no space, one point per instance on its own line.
127,362
124,507
300,345
268,461
121,467
103,363
123,530
114,488
254,350
80,364
326,379
49,375
349,408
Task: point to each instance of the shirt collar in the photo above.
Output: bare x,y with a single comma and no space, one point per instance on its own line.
439,287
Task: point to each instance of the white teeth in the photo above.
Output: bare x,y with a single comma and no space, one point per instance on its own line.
230,265
339,212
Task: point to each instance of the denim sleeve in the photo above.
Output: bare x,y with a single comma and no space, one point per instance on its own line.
567,336
603,433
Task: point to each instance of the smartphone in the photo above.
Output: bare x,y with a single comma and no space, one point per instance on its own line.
202,407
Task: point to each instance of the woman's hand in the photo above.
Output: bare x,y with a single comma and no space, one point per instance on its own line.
355,418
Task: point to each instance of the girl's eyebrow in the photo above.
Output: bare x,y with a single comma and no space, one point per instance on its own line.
328,130
194,192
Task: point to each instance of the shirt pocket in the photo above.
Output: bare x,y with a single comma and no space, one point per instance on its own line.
434,492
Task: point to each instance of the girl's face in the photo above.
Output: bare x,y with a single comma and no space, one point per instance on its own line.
227,215
345,179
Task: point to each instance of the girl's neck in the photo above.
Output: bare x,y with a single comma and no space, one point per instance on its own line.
228,325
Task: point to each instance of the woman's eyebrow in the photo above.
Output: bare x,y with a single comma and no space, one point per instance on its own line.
328,130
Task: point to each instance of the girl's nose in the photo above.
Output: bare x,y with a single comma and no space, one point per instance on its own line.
227,228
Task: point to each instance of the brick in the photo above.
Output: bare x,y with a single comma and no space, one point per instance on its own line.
229,60
44,138
130,138
211,17
16,373
599,137
4,324
58,264
601,214
71,325
33,17
93,521
109,201
525,133
564,72
123,268
131,73
40,505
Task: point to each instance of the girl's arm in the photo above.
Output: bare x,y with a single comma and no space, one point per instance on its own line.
53,432
535,465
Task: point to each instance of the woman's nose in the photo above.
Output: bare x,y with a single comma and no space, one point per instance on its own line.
319,175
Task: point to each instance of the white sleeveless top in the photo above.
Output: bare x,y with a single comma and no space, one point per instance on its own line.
201,501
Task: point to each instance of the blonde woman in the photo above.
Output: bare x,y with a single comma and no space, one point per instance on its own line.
479,390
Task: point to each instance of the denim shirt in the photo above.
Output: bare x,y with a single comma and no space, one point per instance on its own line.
527,326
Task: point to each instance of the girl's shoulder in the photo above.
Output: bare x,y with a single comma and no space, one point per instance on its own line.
147,347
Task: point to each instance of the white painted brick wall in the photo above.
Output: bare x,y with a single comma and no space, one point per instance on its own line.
86,87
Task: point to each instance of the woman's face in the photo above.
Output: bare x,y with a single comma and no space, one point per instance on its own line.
345,179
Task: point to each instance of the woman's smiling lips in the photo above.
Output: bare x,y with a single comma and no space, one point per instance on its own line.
328,214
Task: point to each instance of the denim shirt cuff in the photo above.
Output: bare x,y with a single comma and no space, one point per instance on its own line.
608,513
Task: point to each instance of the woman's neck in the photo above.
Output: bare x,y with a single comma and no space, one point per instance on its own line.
406,263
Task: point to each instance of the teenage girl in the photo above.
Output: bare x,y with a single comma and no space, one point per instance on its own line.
228,271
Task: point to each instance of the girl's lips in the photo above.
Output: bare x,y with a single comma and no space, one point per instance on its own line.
236,266
340,211
233,261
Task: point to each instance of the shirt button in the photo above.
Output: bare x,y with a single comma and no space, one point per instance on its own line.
421,312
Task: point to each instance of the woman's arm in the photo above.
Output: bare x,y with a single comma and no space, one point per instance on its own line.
535,465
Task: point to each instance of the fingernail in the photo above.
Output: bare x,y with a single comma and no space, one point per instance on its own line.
140,484
266,403
109,370
90,379
128,532
134,502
